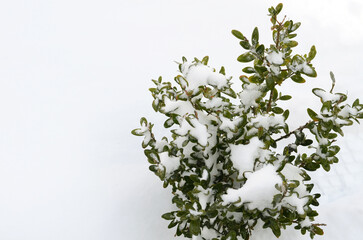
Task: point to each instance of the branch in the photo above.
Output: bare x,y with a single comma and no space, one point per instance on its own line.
270,100
278,28
318,224
216,230
298,129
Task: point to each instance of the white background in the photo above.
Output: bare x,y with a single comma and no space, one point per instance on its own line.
74,79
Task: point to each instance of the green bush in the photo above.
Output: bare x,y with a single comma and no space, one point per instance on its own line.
222,162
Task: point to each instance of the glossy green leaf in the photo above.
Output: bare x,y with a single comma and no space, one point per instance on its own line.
275,228
255,36
292,44
260,49
295,26
222,71
285,97
277,110
286,114
313,115
194,227
270,83
172,224
245,44
309,71
137,132
205,60
238,34
260,69
248,70
297,78
246,57
168,216
312,53
318,230
355,103
279,8
231,235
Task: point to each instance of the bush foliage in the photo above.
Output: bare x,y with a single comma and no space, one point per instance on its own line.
224,162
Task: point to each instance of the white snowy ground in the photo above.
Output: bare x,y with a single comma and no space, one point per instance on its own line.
73,82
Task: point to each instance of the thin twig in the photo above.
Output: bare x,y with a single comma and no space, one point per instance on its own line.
270,100
298,129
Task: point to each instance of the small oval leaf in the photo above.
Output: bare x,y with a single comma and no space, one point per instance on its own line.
246,57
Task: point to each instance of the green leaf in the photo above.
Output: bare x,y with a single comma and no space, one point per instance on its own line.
244,78
332,77
277,199
312,114
245,44
295,26
286,114
179,202
212,213
205,60
248,70
255,36
260,49
292,35
288,24
270,82
307,142
292,44
260,69
277,110
318,230
279,8
275,228
355,103
297,78
194,178
326,166
255,79
168,216
231,235
273,20
238,34
137,132
260,132
230,92
222,71
182,214
311,166
153,168
335,149
168,123
275,94
172,224
338,130
152,156
312,53
194,227
309,71
332,135
285,97
143,121
271,10
246,57
155,105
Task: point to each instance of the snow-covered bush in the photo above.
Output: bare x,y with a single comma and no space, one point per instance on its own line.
223,162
